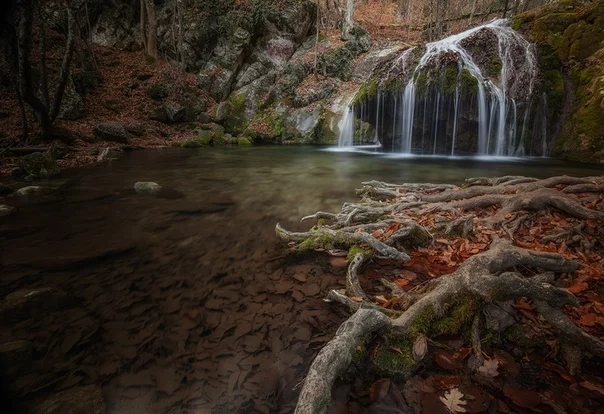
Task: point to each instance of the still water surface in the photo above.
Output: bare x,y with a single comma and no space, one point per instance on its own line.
184,302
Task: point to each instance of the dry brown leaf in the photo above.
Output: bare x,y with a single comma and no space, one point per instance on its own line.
489,368
578,287
453,401
420,347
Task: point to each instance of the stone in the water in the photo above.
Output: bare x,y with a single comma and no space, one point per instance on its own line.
29,303
30,190
147,187
15,355
5,189
6,210
112,131
78,400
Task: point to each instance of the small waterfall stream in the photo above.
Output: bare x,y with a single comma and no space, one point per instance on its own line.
475,92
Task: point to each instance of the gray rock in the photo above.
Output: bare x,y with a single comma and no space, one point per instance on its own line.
5,189
204,117
58,150
79,400
175,113
223,111
135,129
30,303
30,190
15,356
112,131
6,210
147,187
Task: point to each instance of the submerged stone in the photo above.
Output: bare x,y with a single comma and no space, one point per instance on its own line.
6,210
29,303
15,355
147,187
30,190
78,400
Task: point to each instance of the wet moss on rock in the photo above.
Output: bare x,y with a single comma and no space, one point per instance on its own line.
394,358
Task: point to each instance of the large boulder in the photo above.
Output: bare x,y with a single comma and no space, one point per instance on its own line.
219,72
6,210
15,356
36,165
223,110
30,190
31,303
175,113
112,131
79,400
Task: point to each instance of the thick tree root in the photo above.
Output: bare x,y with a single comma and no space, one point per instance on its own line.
334,358
392,218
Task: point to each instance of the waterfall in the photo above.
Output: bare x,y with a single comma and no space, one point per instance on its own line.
346,126
473,92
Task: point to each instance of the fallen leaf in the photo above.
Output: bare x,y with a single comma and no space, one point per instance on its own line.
453,401
401,282
525,399
592,387
381,299
589,319
379,389
338,262
489,368
300,277
577,287
446,360
420,347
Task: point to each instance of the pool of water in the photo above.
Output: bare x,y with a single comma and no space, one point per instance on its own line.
185,301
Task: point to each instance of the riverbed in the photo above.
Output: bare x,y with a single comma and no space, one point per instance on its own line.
185,301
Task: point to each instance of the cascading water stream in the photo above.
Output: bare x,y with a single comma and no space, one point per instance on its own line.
470,98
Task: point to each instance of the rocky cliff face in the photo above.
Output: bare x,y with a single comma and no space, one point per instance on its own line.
258,63
570,46
253,60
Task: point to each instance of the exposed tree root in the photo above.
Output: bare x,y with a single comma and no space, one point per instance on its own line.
334,358
392,219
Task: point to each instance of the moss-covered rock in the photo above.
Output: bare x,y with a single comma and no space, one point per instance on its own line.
570,47
37,165
244,141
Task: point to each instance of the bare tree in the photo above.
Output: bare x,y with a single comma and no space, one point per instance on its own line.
149,27
348,23
47,109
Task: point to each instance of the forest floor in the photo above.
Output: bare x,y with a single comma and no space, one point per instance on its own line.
486,297
123,95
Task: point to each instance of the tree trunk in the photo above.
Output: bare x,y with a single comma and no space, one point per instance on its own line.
144,25
43,69
348,19
505,8
151,29
180,6
24,52
472,13
317,39
65,65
